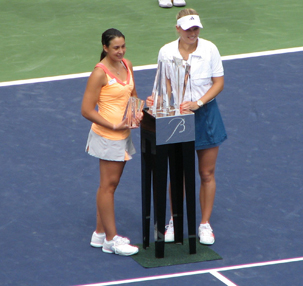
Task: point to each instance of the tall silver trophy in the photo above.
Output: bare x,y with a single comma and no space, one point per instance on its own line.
161,89
171,83
180,82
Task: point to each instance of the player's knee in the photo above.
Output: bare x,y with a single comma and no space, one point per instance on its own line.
207,176
109,186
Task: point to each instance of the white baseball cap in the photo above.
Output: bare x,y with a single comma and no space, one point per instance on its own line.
189,21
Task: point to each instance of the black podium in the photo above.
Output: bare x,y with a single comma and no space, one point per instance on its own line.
168,141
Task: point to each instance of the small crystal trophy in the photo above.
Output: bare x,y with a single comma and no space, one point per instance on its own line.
133,108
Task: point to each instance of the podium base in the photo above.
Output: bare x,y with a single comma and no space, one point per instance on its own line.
175,254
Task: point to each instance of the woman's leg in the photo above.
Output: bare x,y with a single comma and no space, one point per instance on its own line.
110,174
207,164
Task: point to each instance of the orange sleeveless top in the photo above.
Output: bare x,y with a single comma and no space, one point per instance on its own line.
112,103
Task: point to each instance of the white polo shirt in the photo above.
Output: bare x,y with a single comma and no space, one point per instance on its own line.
205,63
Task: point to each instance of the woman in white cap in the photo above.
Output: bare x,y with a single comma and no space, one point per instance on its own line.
206,82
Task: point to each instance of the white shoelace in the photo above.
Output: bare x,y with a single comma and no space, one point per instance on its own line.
121,240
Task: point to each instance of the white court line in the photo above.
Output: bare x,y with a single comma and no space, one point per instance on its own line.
147,67
197,272
222,278
44,79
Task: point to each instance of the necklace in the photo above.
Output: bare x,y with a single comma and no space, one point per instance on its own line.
117,71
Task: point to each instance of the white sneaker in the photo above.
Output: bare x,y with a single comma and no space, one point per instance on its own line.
97,239
119,245
165,3
169,233
179,3
206,234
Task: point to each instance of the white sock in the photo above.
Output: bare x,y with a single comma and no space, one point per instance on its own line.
101,234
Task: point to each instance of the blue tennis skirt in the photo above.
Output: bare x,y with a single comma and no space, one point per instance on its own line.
210,130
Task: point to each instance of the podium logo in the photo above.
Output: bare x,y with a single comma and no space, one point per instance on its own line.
180,126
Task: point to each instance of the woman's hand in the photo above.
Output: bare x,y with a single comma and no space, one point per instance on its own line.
136,120
121,126
139,116
188,107
149,101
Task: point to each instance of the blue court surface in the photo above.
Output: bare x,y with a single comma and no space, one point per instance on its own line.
48,185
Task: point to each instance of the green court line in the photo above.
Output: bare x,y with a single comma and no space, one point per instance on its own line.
47,38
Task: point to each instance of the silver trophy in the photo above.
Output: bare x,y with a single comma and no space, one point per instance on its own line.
171,82
179,81
162,89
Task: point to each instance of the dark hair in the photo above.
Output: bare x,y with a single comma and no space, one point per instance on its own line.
107,36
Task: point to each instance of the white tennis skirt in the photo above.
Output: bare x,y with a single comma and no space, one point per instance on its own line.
109,150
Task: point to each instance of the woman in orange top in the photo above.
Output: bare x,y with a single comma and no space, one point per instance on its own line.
109,87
